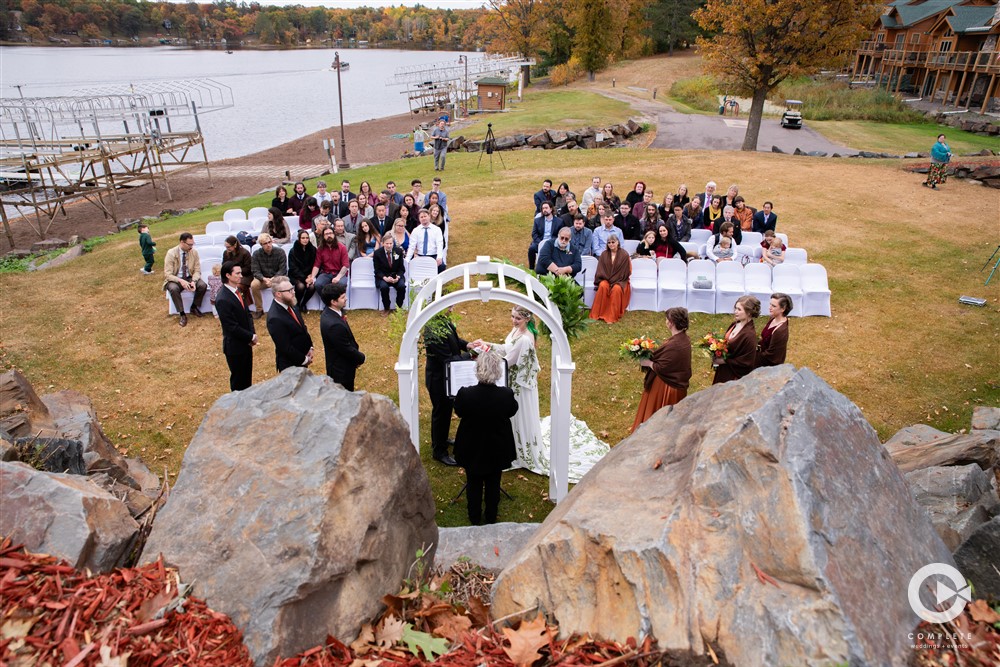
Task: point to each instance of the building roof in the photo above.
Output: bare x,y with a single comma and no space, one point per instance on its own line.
968,18
905,14
492,81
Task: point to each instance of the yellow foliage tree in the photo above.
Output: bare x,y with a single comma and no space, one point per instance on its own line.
760,43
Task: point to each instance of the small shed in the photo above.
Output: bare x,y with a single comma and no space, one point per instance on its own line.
492,92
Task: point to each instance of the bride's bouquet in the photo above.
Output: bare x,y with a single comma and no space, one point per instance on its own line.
715,346
637,348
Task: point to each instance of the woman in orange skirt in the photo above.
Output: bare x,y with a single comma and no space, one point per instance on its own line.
668,372
614,268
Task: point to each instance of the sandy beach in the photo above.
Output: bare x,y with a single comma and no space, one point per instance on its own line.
368,142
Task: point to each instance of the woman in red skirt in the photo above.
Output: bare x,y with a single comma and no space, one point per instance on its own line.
668,372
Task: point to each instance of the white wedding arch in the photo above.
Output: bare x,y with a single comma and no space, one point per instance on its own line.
431,300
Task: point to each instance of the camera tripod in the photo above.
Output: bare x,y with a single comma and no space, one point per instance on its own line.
489,147
995,265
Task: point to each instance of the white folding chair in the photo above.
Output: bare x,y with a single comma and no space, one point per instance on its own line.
630,246
700,236
362,291
204,239
746,251
815,291
588,265
419,271
220,239
787,278
208,257
730,285
701,299
691,246
187,299
796,256
293,223
783,237
237,226
643,283
752,238
757,281
217,227
234,214
257,213
671,284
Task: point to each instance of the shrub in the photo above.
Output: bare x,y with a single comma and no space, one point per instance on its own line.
567,73
700,92
824,99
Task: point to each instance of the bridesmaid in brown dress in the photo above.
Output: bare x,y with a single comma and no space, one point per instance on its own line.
668,373
742,340
774,336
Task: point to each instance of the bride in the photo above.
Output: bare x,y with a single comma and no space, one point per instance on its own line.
530,433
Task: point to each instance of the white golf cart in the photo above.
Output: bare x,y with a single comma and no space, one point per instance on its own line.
792,118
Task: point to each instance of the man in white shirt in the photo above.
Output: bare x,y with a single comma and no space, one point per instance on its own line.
427,241
321,194
590,193
605,231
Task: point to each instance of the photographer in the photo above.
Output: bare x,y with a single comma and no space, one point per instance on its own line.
484,444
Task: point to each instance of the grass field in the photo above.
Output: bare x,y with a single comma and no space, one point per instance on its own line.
556,109
900,138
899,344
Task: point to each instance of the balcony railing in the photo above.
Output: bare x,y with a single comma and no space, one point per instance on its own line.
872,46
982,61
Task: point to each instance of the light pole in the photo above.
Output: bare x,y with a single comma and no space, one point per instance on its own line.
465,91
343,164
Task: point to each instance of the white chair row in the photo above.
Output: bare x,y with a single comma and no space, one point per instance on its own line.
806,284
236,214
227,227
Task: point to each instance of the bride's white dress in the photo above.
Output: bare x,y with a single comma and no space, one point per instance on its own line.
531,435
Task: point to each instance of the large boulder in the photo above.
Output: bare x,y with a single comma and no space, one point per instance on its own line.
985,418
298,506
490,546
22,412
958,499
761,516
978,560
921,446
539,139
67,516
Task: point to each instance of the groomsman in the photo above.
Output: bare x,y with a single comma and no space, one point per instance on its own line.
342,353
238,335
293,345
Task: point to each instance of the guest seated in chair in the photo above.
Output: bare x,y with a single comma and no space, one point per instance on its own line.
182,273
628,223
581,236
542,229
614,269
389,272
765,219
775,254
724,252
301,259
237,253
276,227
266,264
557,256
332,263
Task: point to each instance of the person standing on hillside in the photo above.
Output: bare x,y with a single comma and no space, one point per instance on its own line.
441,140
940,157
148,246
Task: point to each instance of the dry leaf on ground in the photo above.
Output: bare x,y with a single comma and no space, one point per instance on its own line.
980,611
450,625
389,631
526,640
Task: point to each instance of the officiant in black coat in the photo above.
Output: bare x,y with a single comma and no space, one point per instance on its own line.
484,444
442,344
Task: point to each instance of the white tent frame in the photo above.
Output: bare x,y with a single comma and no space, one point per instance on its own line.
431,300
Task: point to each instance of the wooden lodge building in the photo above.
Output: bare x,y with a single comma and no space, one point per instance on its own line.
946,51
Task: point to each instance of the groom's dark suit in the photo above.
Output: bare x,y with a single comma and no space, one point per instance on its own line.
290,335
237,336
342,353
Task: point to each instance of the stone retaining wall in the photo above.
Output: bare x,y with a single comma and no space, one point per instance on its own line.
587,137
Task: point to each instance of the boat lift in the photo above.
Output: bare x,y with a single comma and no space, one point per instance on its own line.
90,144
437,86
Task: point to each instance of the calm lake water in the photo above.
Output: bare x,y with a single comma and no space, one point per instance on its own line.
278,95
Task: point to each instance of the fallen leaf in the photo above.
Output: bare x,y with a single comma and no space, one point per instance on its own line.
450,626
430,646
479,612
980,611
148,610
108,661
526,640
365,641
389,631
13,628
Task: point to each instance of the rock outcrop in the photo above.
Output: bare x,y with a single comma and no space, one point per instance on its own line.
491,546
66,516
920,446
958,499
978,559
298,505
762,516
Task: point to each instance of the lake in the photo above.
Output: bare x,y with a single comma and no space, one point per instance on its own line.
278,95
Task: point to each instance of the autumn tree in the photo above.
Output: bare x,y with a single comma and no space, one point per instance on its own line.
757,44
520,25
672,24
590,21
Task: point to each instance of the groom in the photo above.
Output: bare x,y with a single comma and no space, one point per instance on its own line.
442,344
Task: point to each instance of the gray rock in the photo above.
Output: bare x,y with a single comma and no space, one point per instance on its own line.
587,132
539,139
912,155
588,142
297,507
799,151
558,136
490,546
917,434
505,143
572,135
65,257
978,560
48,244
778,472
958,499
137,502
128,224
634,127
75,418
520,139
67,516
7,451
985,418
775,149
816,153
22,412
51,454
980,447
473,146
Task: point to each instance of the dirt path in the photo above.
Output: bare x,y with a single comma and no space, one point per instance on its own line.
368,142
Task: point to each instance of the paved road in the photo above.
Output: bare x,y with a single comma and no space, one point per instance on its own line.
721,133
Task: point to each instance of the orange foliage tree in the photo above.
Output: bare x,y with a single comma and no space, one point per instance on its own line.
757,44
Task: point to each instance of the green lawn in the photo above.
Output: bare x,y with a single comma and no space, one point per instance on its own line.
899,138
542,109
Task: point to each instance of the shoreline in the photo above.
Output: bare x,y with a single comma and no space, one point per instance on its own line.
368,142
